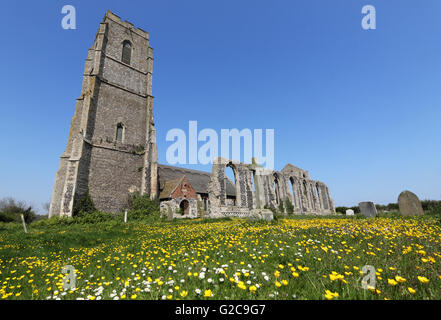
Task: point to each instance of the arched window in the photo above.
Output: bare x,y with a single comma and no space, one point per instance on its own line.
276,189
119,132
126,52
318,196
230,177
292,187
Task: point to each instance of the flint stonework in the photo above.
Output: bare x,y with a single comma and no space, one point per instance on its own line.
111,150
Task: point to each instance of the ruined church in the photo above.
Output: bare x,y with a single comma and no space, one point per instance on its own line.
111,149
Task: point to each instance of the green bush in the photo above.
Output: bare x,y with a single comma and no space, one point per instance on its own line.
289,206
10,210
273,210
94,217
281,208
141,206
341,210
8,217
84,205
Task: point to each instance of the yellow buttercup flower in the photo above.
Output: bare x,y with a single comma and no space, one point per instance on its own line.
392,282
330,295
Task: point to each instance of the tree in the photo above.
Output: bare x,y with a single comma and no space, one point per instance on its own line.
10,210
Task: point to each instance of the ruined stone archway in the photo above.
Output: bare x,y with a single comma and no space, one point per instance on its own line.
228,199
319,198
276,182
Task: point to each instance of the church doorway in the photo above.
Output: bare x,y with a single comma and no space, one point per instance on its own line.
185,207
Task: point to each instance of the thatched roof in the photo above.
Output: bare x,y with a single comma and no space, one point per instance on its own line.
169,187
198,179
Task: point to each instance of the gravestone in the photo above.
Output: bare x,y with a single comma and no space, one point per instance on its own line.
367,208
409,204
261,214
349,212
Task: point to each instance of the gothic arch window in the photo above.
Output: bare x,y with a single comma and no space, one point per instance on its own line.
276,188
120,132
318,195
231,175
293,193
126,52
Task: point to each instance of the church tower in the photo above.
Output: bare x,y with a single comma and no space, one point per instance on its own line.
111,150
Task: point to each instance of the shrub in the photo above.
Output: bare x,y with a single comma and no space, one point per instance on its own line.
356,209
289,206
281,208
434,210
93,217
141,206
84,205
7,217
341,210
10,210
274,211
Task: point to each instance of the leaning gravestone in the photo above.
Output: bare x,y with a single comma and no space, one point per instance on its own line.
349,212
409,204
367,208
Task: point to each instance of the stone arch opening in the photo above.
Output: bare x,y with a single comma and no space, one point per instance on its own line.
277,188
231,175
293,192
305,191
185,207
126,52
317,192
119,132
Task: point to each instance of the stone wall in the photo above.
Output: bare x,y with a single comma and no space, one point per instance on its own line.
170,208
258,188
113,93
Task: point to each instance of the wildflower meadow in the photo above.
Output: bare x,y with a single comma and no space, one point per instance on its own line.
291,258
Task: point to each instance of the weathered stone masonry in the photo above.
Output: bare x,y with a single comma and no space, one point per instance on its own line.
114,94
258,188
111,150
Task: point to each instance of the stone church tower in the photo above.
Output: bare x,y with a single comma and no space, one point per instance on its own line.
111,150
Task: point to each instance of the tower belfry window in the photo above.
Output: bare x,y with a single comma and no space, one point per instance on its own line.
126,52
119,132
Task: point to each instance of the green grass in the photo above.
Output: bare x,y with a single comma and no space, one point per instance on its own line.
299,257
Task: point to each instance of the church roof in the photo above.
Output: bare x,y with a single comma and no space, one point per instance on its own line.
198,179
169,187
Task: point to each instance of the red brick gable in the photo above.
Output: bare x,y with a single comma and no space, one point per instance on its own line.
184,190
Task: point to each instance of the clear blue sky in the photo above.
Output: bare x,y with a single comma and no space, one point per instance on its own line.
360,110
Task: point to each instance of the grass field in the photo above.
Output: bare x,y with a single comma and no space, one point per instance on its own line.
293,258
